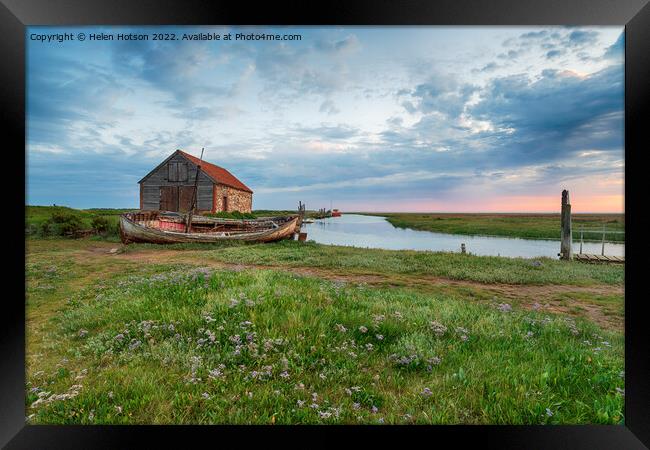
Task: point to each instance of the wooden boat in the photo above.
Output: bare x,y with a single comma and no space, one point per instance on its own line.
160,227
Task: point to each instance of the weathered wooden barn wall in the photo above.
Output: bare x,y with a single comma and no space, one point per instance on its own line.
151,186
238,200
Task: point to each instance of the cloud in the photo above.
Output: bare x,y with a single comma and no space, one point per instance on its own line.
547,118
441,93
616,51
329,107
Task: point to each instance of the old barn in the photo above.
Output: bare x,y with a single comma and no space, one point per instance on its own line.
169,187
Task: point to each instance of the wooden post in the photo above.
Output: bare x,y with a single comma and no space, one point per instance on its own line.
603,250
462,248
188,224
565,244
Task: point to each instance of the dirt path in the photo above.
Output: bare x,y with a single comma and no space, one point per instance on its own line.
573,300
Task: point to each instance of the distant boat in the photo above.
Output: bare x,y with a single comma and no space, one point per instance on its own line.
336,213
161,227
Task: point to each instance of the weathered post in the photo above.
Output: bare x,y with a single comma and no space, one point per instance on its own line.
565,244
603,250
462,248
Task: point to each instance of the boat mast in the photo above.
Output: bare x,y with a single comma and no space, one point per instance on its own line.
194,194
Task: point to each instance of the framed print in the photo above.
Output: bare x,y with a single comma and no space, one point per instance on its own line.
370,218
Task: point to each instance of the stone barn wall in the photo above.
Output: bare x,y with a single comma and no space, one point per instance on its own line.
238,200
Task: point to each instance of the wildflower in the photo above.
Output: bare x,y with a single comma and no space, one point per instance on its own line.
504,307
91,415
438,328
529,335
324,414
215,373
134,344
363,329
209,319
341,328
300,403
110,394
356,405
379,337
374,409
284,374
205,395
620,391
118,409
427,392
369,347
83,333
119,337
549,413
380,420
233,302
314,406
435,361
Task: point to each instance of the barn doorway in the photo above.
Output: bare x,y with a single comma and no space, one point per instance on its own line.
176,198
169,198
185,195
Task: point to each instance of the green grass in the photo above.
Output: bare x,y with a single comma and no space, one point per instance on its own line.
140,344
527,226
484,269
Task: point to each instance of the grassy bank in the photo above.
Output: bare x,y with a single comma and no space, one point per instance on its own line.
483,269
158,336
527,226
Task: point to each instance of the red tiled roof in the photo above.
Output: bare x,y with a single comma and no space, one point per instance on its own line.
218,174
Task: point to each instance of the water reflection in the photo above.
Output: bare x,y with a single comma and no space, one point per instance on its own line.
375,232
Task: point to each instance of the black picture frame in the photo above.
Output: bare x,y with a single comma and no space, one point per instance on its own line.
15,15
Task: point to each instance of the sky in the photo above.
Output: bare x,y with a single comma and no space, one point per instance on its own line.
430,119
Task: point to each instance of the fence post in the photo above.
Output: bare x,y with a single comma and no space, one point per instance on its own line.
603,250
565,244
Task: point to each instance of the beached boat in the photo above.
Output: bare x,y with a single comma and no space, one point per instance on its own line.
160,227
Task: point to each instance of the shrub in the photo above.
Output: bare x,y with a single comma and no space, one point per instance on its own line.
99,224
61,224
46,228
